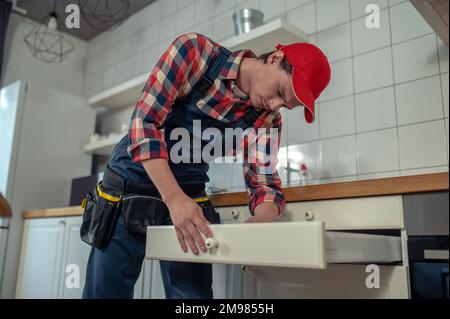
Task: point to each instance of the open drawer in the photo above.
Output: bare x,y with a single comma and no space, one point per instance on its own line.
279,244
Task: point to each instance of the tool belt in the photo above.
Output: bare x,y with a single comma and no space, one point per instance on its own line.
140,205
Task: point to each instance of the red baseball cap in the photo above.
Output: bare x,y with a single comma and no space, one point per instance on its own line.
311,74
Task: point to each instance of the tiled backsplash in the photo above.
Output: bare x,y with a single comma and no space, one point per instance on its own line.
384,114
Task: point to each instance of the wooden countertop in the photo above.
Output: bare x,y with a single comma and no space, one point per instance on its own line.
374,187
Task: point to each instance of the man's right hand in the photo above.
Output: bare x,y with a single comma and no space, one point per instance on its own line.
190,223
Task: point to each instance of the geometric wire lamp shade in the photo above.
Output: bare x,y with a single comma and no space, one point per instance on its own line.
47,43
102,15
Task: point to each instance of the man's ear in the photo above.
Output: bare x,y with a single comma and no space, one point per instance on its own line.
276,57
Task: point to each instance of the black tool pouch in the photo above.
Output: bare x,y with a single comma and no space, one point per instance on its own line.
99,218
140,211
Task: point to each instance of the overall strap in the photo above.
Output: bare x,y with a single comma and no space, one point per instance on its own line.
207,80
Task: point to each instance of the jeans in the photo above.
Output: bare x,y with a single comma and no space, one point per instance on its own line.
113,271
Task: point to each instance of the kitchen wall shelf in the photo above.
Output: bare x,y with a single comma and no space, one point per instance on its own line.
103,146
260,40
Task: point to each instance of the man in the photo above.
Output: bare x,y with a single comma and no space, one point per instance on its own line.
195,80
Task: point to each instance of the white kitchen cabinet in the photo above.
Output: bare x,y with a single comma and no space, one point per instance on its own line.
41,143
53,259
337,282
315,240
41,259
75,257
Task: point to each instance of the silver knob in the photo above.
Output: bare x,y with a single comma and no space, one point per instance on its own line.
211,243
245,268
309,216
235,214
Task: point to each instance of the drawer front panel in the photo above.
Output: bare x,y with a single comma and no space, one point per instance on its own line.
384,212
279,244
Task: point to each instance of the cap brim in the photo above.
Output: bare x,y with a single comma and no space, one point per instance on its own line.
304,95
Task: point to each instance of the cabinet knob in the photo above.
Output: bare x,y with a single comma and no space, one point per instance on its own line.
309,216
211,243
235,214
245,268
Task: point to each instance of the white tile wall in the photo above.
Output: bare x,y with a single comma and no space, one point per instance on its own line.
309,154
422,145
303,17
365,63
444,79
337,117
336,42
419,101
378,175
341,83
168,7
416,59
338,157
443,55
332,12
378,151
298,130
373,70
223,26
291,4
358,7
272,9
427,170
367,39
406,23
375,110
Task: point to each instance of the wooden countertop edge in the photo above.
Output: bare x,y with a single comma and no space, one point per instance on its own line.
364,188
53,212
374,187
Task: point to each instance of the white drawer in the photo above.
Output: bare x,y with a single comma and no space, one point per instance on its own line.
383,212
280,244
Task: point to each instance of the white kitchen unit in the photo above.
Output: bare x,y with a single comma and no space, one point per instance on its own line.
312,252
52,255
41,145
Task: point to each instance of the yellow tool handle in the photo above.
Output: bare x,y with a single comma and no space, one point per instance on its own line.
200,199
111,198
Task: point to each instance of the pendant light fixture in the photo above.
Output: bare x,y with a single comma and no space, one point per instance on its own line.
104,15
46,42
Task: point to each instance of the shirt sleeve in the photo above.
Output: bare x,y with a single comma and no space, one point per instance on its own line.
261,177
179,68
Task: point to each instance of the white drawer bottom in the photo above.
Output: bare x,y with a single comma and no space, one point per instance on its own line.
281,244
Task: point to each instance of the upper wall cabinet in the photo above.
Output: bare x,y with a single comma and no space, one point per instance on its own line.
260,40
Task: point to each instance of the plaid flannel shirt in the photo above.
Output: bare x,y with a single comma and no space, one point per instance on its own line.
182,64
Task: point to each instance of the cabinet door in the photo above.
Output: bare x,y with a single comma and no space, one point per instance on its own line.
41,258
336,282
73,268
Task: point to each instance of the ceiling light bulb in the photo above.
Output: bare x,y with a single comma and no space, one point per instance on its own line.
52,23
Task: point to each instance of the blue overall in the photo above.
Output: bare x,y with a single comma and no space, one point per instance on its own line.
112,272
